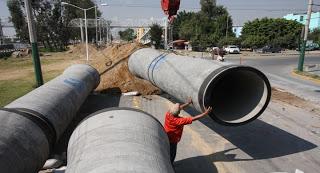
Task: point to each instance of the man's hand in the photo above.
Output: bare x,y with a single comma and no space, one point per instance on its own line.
208,110
189,100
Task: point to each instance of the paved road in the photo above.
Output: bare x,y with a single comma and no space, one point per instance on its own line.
281,140
279,71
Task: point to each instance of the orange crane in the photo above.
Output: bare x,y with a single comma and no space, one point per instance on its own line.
170,8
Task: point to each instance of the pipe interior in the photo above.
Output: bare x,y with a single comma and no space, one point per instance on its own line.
237,95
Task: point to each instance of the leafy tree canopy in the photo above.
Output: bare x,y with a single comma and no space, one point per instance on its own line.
156,35
127,35
51,21
204,28
276,32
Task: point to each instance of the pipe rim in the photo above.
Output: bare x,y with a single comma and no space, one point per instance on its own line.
218,74
118,108
39,120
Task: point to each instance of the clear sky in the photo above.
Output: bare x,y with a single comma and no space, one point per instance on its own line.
241,10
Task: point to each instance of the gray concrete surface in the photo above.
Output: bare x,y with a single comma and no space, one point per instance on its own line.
283,139
278,68
119,140
31,124
241,93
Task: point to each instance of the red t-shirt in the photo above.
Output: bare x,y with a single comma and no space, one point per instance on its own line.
174,126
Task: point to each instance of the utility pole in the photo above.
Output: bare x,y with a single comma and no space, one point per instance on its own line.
85,23
166,35
100,30
81,30
1,33
86,30
34,44
304,42
96,16
227,26
171,34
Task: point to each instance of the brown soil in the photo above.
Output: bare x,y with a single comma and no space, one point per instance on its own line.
112,64
288,98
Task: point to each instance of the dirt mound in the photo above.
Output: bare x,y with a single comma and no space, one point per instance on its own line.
79,51
112,64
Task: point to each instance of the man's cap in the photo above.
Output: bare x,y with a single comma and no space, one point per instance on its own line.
175,109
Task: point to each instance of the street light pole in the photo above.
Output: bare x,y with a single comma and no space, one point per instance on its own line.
81,30
96,15
100,30
166,35
306,32
86,28
86,24
227,26
34,44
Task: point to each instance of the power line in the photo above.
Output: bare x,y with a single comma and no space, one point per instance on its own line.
198,8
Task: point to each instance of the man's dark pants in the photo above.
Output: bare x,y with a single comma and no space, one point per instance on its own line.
173,151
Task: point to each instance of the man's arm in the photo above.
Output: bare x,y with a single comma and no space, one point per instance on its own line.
206,112
186,104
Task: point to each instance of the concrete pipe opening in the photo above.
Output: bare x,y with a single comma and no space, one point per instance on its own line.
238,95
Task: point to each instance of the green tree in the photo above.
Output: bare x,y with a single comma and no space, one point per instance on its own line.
204,28
156,35
127,35
229,41
254,41
51,21
18,20
315,35
208,8
276,32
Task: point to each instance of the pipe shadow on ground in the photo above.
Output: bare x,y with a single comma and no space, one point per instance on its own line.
205,163
259,139
194,164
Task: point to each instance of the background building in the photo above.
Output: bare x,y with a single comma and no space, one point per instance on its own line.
301,18
237,30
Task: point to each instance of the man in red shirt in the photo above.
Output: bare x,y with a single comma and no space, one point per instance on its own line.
173,125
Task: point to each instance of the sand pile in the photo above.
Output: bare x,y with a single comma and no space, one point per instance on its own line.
79,51
112,64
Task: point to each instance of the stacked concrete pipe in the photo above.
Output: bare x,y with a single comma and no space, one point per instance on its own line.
119,140
238,94
31,125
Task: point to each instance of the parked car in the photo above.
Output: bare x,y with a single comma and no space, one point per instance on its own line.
232,49
269,49
310,47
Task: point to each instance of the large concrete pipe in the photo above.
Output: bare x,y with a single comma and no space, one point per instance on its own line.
119,140
31,125
238,94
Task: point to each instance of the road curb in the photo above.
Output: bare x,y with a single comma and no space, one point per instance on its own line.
293,73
